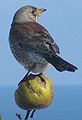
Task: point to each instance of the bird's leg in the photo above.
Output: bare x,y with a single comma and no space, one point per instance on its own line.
26,76
27,114
32,114
24,79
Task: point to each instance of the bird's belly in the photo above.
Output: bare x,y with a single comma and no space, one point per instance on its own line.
30,60
40,64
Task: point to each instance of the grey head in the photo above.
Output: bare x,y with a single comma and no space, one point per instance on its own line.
27,13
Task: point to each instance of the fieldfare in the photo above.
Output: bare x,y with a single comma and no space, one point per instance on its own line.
32,45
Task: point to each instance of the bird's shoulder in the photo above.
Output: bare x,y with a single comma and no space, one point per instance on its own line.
29,28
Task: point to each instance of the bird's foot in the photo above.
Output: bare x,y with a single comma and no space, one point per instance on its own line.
42,79
27,77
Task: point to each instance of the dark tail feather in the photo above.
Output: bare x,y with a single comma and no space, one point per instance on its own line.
60,64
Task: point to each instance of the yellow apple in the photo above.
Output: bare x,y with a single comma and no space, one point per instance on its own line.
34,93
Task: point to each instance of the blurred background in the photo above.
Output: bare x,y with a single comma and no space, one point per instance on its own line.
63,19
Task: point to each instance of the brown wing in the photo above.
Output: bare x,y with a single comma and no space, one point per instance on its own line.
32,35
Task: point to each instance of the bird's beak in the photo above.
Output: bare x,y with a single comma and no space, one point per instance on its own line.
39,11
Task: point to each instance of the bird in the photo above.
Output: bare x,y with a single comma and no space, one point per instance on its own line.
32,45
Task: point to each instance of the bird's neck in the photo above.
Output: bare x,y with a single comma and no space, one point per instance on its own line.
23,19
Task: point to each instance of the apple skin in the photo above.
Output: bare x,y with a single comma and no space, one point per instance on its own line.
34,93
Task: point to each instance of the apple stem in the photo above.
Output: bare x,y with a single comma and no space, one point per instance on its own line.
27,114
32,114
19,116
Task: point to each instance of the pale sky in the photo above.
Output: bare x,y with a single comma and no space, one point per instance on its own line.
63,19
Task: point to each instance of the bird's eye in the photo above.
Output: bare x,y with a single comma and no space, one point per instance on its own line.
33,11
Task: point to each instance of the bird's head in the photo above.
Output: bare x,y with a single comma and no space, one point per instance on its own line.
27,13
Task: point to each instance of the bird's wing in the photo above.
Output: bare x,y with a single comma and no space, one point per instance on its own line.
35,37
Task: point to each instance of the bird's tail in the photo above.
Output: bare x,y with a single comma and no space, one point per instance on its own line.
60,64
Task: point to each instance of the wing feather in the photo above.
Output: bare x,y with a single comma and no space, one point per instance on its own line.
33,36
